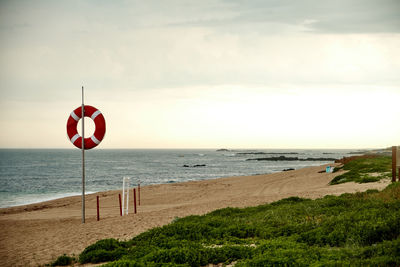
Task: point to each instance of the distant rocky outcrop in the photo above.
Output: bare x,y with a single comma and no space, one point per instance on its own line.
283,158
266,153
222,150
280,158
358,152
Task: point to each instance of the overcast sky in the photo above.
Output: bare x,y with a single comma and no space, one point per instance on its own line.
203,74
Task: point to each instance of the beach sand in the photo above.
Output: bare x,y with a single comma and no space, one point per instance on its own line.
37,234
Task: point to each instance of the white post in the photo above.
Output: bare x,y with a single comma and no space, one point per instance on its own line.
123,196
127,195
125,192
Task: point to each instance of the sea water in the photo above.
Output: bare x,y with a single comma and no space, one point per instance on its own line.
35,175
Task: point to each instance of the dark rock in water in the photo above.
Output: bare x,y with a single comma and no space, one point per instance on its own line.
283,158
319,159
222,150
194,166
251,153
358,152
171,182
289,169
280,158
266,153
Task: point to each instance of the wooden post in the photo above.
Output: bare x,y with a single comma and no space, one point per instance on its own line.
98,209
120,205
394,167
139,193
134,199
398,162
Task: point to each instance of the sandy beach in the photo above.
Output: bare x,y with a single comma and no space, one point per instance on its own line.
37,234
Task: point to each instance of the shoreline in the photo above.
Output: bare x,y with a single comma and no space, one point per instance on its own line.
34,175
36,234
79,194
46,198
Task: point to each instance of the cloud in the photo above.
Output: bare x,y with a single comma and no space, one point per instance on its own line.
152,44
342,16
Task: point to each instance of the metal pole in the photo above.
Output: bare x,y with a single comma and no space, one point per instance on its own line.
83,159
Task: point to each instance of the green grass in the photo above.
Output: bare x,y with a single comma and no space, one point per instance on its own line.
365,170
351,229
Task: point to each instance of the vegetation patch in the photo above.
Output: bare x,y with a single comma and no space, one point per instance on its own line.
63,260
364,170
352,229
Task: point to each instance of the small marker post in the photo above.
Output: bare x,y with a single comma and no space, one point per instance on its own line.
125,195
134,198
394,167
398,162
139,193
98,209
120,205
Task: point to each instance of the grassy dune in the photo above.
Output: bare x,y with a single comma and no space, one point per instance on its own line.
351,229
364,170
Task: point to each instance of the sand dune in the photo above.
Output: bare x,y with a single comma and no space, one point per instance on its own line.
37,234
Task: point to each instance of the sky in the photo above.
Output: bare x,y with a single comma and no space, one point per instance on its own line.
202,74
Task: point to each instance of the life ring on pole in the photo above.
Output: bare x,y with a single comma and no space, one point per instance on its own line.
99,122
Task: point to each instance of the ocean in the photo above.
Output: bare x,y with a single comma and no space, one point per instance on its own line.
35,175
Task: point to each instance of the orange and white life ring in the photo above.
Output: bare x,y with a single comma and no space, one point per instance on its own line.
99,122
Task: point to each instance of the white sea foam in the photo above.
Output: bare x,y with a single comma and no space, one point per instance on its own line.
19,200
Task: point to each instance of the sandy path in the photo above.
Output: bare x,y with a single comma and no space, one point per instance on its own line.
37,234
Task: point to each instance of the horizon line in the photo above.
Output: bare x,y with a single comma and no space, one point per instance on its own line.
212,148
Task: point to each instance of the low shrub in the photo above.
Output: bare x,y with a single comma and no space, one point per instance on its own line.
103,251
63,260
